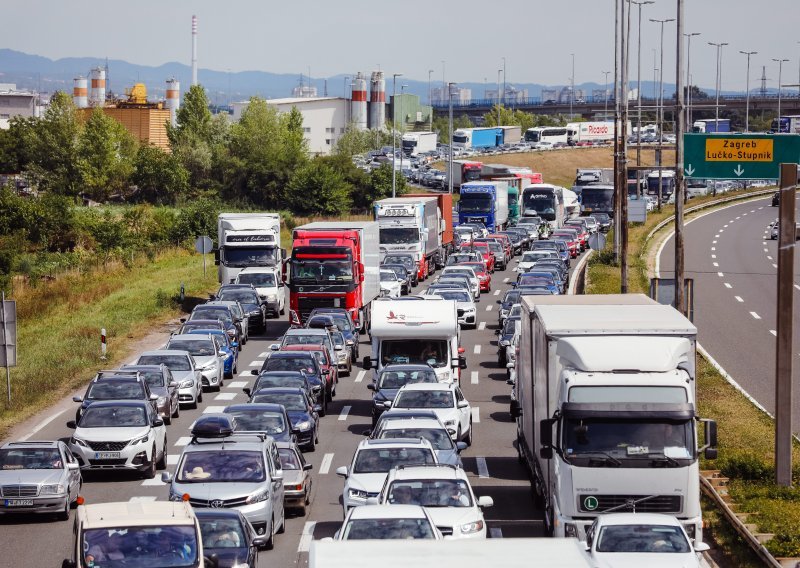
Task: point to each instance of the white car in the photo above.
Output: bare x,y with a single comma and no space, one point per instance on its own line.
391,285
120,434
641,539
182,366
446,494
209,361
372,460
445,399
468,316
381,522
269,286
463,271
531,257
543,145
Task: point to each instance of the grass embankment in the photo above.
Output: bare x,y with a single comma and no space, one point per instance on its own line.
59,323
746,435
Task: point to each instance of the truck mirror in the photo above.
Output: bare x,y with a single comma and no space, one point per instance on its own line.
710,453
515,409
462,363
711,434
546,438
367,364
283,254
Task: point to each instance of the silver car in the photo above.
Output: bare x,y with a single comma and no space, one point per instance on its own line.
296,476
182,366
208,360
447,451
38,477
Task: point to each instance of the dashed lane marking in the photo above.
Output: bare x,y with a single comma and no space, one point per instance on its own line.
325,466
720,274
155,482
497,292
473,378
264,355
766,249
172,459
476,415
213,409
344,413
505,280
738,298
41,425
183,441
774,265
236,385
257,363
244,374
225,396
716,264
489,308
713,242
713,256
716,236
477,350
755,315
769,257
773,332
360,376
483,469
713,248
797,286
482,325
308,535
728,285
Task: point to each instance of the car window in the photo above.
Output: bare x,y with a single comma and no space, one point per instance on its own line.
394,379
430,493
222,533
306,363
438,437
113,417
424,399
239,295
289,459
269,422
383,459
113,390
154,378
291,401
196,347
222,466
174,362
30,458
392,528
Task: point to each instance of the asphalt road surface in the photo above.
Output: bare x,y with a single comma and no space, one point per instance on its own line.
491,462
734,265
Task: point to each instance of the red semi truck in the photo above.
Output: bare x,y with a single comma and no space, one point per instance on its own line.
334,264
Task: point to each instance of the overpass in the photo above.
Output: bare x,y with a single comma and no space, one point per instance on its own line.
595,106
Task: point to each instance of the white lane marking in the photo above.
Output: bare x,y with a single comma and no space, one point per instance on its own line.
325,466
344,413
473,378
716,264
476,414
739,217
722,230
720,274
745,214
774,265
482,325
308,535
738,298
140,498
477,350
496,532
713,248
42,424
713,242
172,459
489,308
728,285
716,236
505,280
797,286
769,257
213,409
713,256
483,469
264,355
257,363
773,332
360,376
755,315
236,385
725,225
183,441
245,374
497,292
766,249
226,396
155,482
760,208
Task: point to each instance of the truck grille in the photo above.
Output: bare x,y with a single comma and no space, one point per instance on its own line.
20,490
107,446
307,304
657,504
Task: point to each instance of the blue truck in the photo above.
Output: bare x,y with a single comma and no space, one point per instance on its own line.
712,125
484,202
490,137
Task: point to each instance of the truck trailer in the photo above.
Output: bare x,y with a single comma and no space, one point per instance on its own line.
246,240
415,143
712,125
445,203
485,202
605,405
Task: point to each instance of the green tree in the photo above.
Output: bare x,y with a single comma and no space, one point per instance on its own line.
318,188
160,177
355,141
380,184
193,118
106,152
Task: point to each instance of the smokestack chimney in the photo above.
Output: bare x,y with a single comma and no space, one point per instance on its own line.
194,50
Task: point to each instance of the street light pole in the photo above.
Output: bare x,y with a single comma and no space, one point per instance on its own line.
719,77
661,110
689,79
780,63
430,98
747,104
503,98
394,132
450,157
680,187
499,100
639,95
403,120
605,111
572,86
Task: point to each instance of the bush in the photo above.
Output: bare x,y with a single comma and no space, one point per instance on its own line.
745,466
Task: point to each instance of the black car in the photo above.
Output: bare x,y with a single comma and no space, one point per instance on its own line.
266,418
504,336
516,238
776,198
604,221
406,260
130,386
391,378
250,301
301,361
220,314
510,298
303,413
228,537
555,263
345,324
321,321
270,379
162,384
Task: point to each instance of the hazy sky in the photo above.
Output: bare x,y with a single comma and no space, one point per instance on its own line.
336,37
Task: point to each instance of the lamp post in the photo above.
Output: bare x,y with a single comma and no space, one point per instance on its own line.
639,93
503,97
605,110
347,107
780,63
430,99
450,157
661,107
688,78
747,104
572,86
394,132
403,121
499,100
719,77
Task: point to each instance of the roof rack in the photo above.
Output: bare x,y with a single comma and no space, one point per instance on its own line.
447,465
215,428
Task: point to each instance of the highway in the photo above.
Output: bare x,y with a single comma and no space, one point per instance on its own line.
491,462
734,264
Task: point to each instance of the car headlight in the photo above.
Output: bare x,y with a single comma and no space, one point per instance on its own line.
55,489
185,384
175,496
258,497
304,425
141,440
474,526
231,332
357,494
79,442
272,297
449,422
254,313
242,565
162,400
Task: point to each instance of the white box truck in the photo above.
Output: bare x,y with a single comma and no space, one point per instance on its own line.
415,143
406,331
246,240
606,410
414,225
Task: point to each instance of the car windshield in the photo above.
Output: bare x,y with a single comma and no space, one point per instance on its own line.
258,279
269,422
388,276
511,297
127,546
196,347
383,459
424,399
173,362
430,493
217,466
642,538
457,295
458,258
394,379
302,363
342,321
406,261
382,529
290,400
189,326
241,296
277,380
113,417
300,339
289,459
398,235
404,351
338,339
222,315
455,270
222,533
30,458
115,390
628,439
533,256
438,437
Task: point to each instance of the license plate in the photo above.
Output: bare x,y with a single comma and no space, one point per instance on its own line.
19,502
106,455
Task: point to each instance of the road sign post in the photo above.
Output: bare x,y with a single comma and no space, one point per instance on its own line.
8,338
203,245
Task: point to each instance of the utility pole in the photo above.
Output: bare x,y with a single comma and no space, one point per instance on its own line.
747,104
572,86
499,99
660,191
623,264
394,132
639,97
719,77
450,157
780,63
605,111
688,101
617,192
680,187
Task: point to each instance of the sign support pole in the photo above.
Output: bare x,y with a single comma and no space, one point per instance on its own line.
783,345
623,162
680,182
5,344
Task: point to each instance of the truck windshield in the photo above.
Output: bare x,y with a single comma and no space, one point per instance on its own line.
322,271
472,174
250,256
621,440
595,199
139,546
399,235
542,204
475,203
427,351
532,136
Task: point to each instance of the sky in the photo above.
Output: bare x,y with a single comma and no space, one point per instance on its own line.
536,37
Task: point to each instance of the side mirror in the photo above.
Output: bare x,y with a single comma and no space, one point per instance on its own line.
367,363
234,344
339,348
275,346
711,433
387,404
254,372
461,446
278,475
77,399
318,408
72,425
158,422
462,363
73,466
173,385
516,411
341,471
307,467
485,501
66,563
701,547
166,477
371,386
222,354
247,391
367,433
497,332
462,404
546,437
259,541
153,397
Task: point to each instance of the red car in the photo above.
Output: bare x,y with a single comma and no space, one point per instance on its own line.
482,248
569,238
583,234
484,278
324,362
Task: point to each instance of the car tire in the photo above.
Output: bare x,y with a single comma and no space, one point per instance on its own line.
150,472
162,463
64,514
168,419
199,396
177,412
270,544
468,438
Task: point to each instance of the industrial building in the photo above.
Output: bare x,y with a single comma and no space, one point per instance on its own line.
16,103
411,115
460,95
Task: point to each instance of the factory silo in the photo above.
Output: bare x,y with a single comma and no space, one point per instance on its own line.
173,99
80,92
377,101
97,96
358,104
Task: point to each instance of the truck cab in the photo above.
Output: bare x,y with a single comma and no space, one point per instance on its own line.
246,240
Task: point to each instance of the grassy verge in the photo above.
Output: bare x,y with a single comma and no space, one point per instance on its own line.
746,435
59,324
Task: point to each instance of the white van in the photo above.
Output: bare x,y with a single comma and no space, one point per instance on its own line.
267,282
407,331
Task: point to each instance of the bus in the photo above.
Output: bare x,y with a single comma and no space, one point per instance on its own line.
667,180
554,134
597,198
546,201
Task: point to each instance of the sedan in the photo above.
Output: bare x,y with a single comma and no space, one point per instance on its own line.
391,379
484,278
296,477
263,418
229,537
38,477
181,365
303,413
380,522
226,344
391,285
251,303
406,260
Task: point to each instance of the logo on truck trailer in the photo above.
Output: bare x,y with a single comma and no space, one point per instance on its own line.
403,319
593,129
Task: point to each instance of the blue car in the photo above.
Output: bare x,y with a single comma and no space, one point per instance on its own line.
229,346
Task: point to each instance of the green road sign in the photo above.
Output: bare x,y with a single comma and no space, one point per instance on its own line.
738,156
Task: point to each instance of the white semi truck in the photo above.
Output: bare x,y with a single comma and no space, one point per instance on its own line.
415,143
605,404
247,240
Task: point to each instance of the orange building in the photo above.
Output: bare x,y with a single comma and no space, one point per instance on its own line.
146,124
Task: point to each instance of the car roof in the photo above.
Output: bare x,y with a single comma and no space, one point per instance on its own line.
123,402
188,336
407,366
218,513
438,471
414,423
376,443
148,367
429,386
166,352
291,354
280,390
303,347
637,519
135,513
262,406
388,512
306,331
32,444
